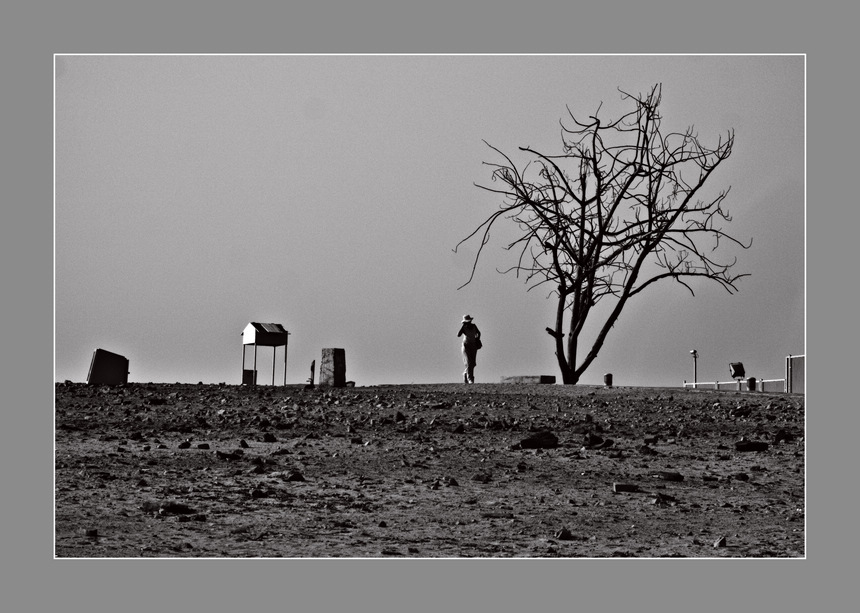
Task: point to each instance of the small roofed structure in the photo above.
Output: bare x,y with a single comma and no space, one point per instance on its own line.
266,335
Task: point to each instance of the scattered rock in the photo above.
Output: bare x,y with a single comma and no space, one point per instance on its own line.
482,478
92,532
243,444
720,542
646,450
295,476
203,446
185,444
268,437
459,429
650,440
669,476
741,476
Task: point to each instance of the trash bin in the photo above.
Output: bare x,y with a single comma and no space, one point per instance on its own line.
607,379
751,384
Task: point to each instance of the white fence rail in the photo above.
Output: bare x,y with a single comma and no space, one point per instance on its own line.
793,383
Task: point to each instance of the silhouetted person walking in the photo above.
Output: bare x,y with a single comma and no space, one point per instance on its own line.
471,343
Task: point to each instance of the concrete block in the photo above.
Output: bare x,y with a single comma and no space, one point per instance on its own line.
333,367
107,368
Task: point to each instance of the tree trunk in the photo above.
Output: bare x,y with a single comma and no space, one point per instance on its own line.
566,356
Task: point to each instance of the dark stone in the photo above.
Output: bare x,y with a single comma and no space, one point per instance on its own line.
751,446
203,446
740,411
175,508
228,456
782,435
592,440
185,444
539,440
624,487
564,535
669,476
296,476
243,444
268,437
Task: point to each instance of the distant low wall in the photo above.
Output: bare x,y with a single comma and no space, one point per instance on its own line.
793,383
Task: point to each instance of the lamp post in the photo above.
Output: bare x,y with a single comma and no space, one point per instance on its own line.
695,355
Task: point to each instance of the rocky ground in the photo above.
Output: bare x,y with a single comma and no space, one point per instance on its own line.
426,471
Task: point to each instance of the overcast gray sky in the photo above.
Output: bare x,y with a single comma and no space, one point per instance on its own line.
195,194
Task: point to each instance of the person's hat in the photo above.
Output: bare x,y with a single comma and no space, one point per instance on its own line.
466,318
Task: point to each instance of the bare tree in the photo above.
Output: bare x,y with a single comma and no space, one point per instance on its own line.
620,209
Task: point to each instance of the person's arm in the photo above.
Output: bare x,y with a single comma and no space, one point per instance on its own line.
460,333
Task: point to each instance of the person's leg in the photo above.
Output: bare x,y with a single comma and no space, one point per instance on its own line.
465,365
470,368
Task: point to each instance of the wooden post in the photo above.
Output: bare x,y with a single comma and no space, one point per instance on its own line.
286,342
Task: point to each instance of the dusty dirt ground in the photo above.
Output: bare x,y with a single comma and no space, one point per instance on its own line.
426,471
